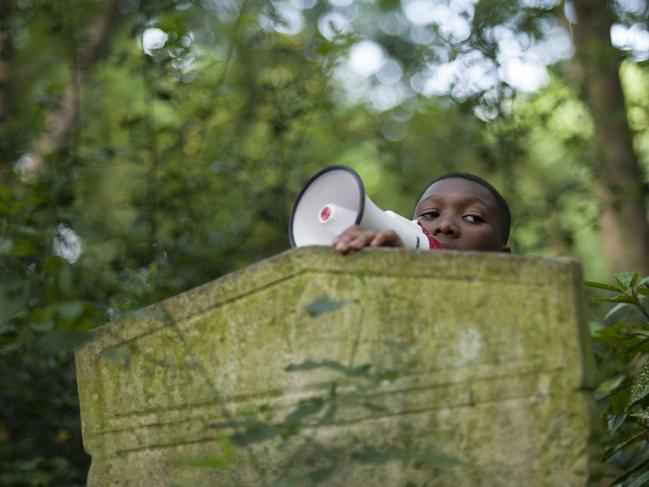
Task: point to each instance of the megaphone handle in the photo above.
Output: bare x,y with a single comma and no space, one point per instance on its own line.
410,233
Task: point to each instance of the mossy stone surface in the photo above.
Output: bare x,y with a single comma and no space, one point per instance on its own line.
387,367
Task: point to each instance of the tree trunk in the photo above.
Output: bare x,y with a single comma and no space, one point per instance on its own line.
618,178
61,120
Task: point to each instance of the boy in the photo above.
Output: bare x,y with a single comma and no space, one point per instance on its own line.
460,210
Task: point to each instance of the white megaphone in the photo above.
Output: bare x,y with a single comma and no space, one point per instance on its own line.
334,199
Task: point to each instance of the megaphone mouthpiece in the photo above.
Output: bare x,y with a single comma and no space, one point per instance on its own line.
335,219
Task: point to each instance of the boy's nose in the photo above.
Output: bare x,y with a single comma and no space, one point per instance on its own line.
446,226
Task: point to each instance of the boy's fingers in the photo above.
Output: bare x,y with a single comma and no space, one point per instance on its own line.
378,240
353,238
348,234
386,238
362,240
342,243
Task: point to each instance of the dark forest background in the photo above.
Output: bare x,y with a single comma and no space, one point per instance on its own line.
147,147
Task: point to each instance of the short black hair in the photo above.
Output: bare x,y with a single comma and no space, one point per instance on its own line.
500,201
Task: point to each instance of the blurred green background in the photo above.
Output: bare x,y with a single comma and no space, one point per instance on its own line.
147,147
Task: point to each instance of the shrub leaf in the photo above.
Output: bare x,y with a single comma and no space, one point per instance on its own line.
627,279
640,385
603,285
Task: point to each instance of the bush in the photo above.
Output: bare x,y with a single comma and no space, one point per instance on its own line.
622,352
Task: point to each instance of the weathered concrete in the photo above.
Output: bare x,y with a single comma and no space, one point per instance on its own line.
481,357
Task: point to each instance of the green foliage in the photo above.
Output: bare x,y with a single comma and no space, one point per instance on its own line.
184,158
622,350
42,317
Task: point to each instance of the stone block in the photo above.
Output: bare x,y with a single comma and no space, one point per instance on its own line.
387,367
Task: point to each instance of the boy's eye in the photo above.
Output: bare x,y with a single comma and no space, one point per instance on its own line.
429,214
473,218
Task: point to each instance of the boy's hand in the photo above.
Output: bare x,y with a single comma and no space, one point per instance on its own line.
355,238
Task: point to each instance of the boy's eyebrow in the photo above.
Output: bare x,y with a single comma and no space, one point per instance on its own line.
471,199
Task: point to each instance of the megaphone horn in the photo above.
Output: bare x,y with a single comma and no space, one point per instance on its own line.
333,200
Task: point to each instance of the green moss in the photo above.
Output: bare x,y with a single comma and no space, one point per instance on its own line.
424,355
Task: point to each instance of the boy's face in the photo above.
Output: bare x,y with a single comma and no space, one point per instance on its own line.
462,215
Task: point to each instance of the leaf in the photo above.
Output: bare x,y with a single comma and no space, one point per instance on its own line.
6,328
639,481
640,385
627,279
10,307
23,247
609,386
64,278
644,291
603,285
63,341
615,421
630,470
6,246
325,305
639,332
642,416
70,310
325,48
595,327
620,298
11,280
42,326
615,309
626,442
609,335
